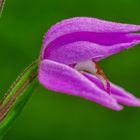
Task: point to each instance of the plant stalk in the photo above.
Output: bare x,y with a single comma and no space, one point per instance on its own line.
15,99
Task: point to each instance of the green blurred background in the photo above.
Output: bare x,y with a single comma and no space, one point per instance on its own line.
53,116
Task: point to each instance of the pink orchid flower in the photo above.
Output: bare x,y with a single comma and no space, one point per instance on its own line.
70,53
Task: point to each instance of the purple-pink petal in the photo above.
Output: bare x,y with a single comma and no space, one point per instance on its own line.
83,50
62,78
75,52
118,93
103,37
87,24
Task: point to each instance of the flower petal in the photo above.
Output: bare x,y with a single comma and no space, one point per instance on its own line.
83,50
89,25
104,35
117,48
121,95
75,52
62,78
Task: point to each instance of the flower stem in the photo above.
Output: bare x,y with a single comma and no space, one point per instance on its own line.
14,100
2,2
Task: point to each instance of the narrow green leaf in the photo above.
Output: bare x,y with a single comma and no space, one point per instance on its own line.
17,96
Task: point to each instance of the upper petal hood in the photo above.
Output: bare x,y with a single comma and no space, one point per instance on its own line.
99,34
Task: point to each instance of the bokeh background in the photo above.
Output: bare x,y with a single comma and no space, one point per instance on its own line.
52,116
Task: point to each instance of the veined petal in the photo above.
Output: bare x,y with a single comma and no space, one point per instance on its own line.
121,95
62,78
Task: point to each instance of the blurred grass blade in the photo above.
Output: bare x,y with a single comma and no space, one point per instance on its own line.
13,102
1,6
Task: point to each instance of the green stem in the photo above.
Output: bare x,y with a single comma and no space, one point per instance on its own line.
2,2
14,100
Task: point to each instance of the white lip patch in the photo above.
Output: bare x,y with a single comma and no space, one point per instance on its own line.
91,67
88,66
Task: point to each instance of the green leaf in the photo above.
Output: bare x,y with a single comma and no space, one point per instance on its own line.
17,96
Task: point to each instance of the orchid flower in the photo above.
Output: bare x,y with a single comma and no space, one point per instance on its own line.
70,53
68,64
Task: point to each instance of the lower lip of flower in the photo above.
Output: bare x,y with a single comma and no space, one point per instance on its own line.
92,67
